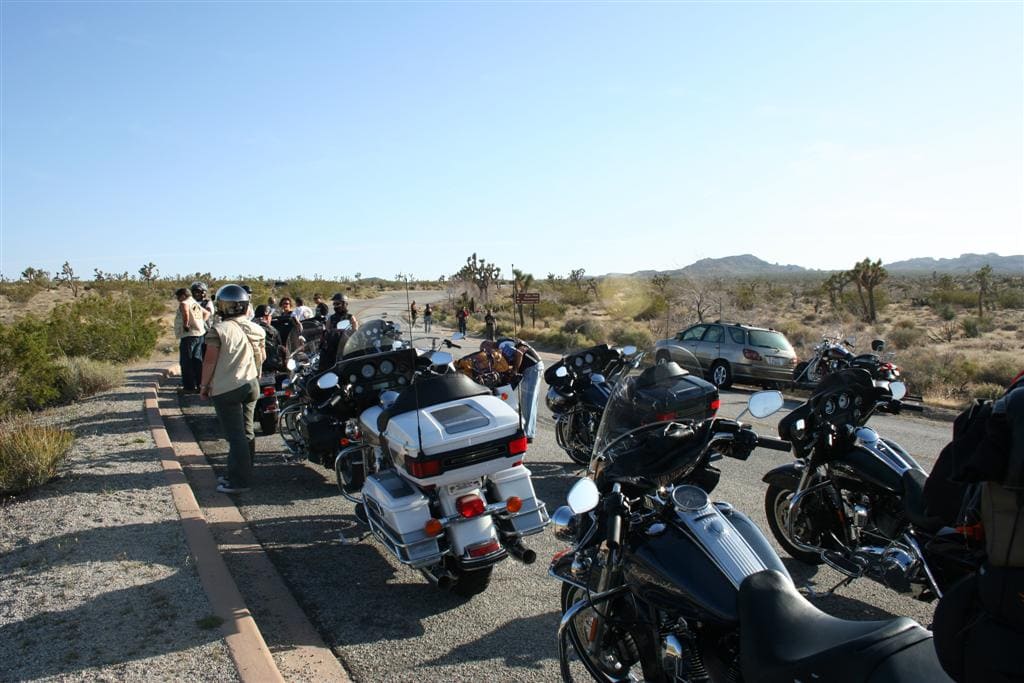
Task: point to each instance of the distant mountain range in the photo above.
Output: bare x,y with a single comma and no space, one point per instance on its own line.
748,265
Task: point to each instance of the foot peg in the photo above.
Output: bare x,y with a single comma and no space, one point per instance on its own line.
842,564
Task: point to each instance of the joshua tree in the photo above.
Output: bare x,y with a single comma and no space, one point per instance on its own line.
983,278
521,283
866,276
480,273
68,278
149,272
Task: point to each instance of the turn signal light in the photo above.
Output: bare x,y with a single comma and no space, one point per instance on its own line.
514,504
716,403
751,354
517,446
470,506
268,391
482,549
504,396
433,527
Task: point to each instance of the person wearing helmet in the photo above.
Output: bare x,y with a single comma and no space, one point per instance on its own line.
340,303
235,351
199,293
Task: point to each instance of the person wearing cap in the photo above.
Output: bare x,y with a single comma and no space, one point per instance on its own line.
276,353
525,362
340,304
320,309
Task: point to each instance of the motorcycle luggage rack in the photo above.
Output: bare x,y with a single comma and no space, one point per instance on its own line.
402,549
540,507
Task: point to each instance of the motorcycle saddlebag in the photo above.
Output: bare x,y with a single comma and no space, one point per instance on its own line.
515,481
398,513
323,434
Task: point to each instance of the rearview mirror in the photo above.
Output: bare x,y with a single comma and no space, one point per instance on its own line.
327,381
561,372
628,350
583,496
291,364
764,403
898,390
457,336
440,358
344,325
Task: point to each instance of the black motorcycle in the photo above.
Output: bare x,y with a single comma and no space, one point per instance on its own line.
832,354
661,584
581,384
854,500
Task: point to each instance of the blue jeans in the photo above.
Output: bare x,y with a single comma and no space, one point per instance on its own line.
529,390
235,410
190,357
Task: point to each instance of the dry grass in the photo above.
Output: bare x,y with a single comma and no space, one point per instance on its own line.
30,454
81,377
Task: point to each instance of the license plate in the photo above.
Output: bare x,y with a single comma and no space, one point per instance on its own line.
455,490
777,360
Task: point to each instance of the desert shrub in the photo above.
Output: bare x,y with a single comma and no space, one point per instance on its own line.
631,334
548,309
997,369
905,337
559,341
20,292
946,312
956,297
28,371
29,453
987,391
573,296
106,328
1010,297
970,327
656,308
799,335
81,377
588,327
946,374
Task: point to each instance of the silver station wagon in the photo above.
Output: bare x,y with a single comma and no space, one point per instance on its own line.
731,352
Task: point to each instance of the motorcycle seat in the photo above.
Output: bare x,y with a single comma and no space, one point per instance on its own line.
783,637
914,502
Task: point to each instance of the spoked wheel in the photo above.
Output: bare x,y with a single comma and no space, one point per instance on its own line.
617,658
286,422
776,509
350,474
575,436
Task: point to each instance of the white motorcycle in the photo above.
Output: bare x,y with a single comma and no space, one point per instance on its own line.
437,470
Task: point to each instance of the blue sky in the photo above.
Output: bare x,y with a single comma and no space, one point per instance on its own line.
334,138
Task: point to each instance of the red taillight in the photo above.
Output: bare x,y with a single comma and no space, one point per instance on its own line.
664,417
470,506
751,354
344,441
715,404
268,391
421,469
517,446
482,549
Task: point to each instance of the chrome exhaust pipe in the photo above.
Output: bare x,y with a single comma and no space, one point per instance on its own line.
519,551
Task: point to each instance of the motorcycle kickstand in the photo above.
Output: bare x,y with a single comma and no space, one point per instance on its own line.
810,593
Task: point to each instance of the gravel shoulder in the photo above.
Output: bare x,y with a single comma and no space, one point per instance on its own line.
96,578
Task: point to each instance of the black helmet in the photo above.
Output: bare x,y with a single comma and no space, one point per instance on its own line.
338,296
232,301
198,289
248,289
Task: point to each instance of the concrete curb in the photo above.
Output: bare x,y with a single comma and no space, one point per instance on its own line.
298,652
245,643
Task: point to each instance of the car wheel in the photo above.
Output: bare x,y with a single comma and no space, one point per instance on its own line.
721,374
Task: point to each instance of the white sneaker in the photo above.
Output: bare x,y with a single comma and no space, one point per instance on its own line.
228,488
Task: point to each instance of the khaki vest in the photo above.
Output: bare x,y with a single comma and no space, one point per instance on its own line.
242,351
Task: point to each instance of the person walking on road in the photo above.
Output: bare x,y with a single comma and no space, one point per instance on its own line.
413,312
428,318
189,328
460,317
235,350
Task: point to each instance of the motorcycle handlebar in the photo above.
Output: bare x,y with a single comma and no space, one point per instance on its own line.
773,444
614,505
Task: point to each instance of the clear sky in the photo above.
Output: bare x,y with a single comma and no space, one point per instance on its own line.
332,138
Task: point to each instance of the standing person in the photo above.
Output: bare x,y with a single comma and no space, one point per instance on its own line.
189,328
412,313
460,318
277,356
272,306
286,324
231,371
340,303
525,361
199,293
491,324
302,311
428,317
320,310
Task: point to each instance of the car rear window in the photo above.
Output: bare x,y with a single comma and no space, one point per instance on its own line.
737,335
769,339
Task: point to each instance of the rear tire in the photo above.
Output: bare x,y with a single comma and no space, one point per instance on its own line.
470,583
268,424
350,475
776,509
721,374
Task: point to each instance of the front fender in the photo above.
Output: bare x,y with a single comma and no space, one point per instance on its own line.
787,476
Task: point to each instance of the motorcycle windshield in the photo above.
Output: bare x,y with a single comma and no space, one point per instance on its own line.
374,336
647,392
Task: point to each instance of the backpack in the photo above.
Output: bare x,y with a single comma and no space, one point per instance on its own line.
947,496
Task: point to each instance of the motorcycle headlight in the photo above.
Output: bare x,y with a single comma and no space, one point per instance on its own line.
557,401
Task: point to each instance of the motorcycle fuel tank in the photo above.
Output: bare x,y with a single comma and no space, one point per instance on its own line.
696,564
876,461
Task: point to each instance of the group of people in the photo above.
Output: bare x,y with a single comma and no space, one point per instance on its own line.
428,316
223,347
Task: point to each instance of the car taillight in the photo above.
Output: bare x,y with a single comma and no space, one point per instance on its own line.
470,506
482,549
423,468
268,391
517,446
715,404
664,417
751,354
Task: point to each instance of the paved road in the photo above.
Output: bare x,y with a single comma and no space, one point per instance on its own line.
387,624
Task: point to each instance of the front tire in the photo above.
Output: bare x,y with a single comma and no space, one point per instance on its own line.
776,509
619,652
721,374
798,372
268,424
